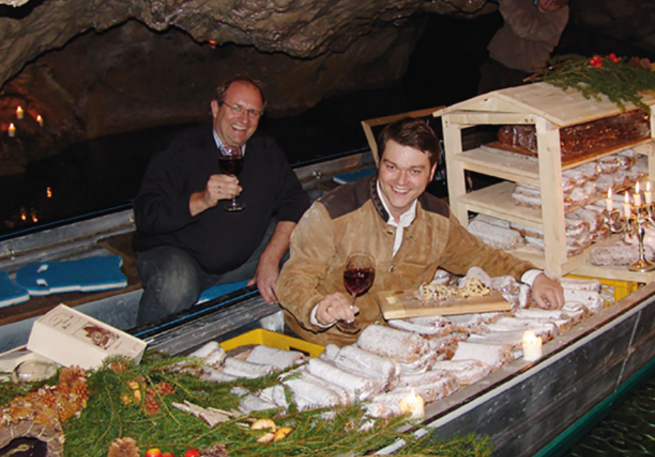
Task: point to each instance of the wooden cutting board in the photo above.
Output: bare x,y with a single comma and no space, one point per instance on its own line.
402,304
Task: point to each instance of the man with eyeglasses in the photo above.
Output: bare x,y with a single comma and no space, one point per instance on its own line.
186,241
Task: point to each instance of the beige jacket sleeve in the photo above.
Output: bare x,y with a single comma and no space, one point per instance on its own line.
312,248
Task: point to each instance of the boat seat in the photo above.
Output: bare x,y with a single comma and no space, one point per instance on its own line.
120,245
39,305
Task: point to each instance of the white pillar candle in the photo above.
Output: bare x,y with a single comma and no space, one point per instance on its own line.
11,130
648,195
413,404
532,346
627,211
608,201
19,112
637,195
39,119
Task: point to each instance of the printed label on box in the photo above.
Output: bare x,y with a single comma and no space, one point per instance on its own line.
58,334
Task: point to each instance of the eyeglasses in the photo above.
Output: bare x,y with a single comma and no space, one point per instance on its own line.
255,114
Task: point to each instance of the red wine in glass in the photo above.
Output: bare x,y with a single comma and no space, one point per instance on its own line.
358,277
231,163
358,280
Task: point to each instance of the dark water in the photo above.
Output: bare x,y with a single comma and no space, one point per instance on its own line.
628,431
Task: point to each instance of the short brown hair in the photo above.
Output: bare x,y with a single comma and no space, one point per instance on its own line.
415,133
222,88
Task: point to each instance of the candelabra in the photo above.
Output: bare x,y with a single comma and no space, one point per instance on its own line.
636,217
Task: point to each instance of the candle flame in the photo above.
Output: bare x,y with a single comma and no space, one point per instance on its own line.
648,186
627,197
529,337
39,119
637,187
48,192
609,193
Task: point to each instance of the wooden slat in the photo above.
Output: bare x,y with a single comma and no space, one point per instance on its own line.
120,245
563,108
495,201
506,165
368,125
402,304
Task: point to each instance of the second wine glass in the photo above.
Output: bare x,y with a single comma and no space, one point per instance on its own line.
231,163
358,277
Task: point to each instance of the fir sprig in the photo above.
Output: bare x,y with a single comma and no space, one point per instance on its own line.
619,81
114,411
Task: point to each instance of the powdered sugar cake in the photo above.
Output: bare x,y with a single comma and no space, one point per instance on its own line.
402,304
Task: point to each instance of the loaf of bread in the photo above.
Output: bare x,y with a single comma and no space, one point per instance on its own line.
615,254
395,344
279,358
466,371
358,361
310,391
429,326
494,355
243,369
359,387
421,365
495,236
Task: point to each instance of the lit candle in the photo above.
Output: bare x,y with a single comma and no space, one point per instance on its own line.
626,205
11,130
532,346
19,112
39,119
608,201
413,404
648,195
637,195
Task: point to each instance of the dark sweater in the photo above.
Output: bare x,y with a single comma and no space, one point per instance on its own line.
220,240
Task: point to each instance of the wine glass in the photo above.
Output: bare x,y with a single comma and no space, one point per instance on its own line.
231,163
358,276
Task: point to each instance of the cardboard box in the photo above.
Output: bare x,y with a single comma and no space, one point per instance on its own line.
73,338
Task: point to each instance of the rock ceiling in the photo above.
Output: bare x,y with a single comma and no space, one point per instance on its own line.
94,67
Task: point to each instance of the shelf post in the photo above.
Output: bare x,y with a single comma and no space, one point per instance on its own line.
552,196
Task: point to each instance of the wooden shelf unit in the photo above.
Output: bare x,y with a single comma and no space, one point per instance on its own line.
549,109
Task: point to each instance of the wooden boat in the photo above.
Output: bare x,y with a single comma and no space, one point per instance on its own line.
522,407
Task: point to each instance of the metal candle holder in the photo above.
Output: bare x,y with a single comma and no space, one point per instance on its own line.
641,216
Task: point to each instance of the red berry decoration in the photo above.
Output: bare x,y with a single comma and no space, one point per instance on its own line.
596,61
191,453
154,452
613,58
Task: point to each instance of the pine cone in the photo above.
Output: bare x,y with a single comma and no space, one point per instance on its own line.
123,447
152,405
72,375
165,388
216,450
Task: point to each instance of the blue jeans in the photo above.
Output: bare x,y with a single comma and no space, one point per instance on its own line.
173,280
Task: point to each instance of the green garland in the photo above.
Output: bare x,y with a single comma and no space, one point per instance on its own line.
622,81
118,408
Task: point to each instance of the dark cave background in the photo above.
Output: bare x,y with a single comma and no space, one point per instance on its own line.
104,174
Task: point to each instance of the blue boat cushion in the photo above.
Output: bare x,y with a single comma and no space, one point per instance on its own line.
221,289
10,293
91,274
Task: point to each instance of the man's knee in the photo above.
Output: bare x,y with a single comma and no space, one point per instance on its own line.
170,280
